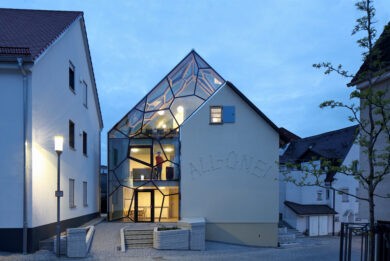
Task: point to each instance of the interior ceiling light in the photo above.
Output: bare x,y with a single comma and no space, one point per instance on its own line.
180,109
161,112
134,150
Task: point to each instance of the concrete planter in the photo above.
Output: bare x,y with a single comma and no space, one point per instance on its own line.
79,241
197,227
177,239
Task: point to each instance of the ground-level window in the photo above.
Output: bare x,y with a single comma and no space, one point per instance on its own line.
71,193
319,195
344,197
71,134
85,194
216,114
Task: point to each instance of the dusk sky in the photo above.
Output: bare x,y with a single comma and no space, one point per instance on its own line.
265,48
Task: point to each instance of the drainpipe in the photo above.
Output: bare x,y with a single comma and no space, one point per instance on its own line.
25,224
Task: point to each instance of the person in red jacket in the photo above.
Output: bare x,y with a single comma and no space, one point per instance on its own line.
159,161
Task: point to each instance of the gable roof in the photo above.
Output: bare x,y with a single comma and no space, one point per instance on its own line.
331,145
27,34
30,32
382,46
254,107
309,209
287,135
190,83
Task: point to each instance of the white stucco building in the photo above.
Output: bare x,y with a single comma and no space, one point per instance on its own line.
195,146
47,88
380,82
312,209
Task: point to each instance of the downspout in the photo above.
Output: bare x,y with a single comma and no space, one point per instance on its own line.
25,223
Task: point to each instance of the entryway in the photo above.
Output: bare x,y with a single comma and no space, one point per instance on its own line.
144,206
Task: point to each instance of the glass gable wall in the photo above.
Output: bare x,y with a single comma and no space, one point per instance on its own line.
144,146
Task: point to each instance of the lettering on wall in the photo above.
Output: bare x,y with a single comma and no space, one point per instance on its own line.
242,164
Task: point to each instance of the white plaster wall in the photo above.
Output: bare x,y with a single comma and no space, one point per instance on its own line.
11,149
290,217
382,206
343,181
229,172
53,105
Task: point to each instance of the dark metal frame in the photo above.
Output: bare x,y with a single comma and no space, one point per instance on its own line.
190,63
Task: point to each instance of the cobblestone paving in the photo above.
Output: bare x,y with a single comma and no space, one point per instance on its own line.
106,246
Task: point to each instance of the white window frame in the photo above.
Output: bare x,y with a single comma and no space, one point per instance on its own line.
319,195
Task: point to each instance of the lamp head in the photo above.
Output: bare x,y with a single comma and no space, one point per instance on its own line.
58,144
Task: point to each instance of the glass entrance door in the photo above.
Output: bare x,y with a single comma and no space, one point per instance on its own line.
144,206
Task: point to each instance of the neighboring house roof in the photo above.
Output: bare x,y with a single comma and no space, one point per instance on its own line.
27,34
31,32
331,145
382,46
287,135
309,209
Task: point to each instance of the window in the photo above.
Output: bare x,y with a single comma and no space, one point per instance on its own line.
71,193
319,195
84,143
85,91
85,198
71,134
216,114
327,193
344,197
71,77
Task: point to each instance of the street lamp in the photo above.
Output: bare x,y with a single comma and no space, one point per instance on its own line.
58,147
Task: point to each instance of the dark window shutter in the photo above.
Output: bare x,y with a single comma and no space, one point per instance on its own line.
228,114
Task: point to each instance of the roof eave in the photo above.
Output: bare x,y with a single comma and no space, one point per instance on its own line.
254,107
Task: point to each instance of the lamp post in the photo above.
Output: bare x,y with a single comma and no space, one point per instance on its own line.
58,147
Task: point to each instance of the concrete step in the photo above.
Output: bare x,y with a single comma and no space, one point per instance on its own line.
142,245
138,238
286,238
47,244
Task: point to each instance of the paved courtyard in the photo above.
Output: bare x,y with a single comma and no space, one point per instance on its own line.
106,247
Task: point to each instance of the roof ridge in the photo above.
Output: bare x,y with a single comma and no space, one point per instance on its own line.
42,10
327,133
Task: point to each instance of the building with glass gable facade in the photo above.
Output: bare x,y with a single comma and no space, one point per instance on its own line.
195,146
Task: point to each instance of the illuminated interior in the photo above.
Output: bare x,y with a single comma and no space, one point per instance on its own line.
144,146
